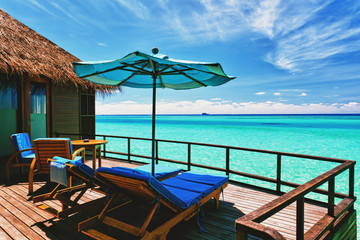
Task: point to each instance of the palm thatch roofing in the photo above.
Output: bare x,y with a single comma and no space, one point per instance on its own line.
25,53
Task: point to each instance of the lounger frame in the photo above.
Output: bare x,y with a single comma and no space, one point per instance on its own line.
70,206
136,189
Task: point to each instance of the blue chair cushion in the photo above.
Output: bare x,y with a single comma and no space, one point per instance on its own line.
182,198
175,182
161,171
196,177
22,141
71,149
28,158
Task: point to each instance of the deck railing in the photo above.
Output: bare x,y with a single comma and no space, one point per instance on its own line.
250,223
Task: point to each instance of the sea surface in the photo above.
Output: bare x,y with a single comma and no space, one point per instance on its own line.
335,136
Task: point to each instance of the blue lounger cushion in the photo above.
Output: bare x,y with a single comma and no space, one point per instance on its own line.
196,177
78,163
161,171
182,198
176,182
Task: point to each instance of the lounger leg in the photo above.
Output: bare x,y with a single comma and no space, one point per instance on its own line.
163,237
147,220
217,200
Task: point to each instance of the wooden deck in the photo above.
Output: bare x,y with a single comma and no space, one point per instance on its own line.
21,219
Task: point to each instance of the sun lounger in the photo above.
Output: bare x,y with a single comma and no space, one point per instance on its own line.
70,204
182,194
85,174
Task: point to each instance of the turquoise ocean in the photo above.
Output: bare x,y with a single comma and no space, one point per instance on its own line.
335,136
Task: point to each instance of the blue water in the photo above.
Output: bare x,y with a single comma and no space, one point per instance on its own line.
336,136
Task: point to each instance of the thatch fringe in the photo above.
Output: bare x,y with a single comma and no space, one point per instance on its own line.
25,53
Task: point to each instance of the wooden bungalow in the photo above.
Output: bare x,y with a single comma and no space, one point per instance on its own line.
39,90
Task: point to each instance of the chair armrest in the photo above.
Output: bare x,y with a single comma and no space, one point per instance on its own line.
14,155
77,152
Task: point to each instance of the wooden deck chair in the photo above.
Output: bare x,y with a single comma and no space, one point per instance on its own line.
23,153
86,175
46,148
70,204
182,195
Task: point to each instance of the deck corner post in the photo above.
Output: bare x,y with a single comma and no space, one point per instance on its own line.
300,218
351,181
331,197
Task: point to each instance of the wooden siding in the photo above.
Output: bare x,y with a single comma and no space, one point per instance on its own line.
65,110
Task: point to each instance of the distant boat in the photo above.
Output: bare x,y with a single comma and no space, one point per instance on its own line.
204,114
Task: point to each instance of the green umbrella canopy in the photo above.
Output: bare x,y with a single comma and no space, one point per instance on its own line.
140,70
131,71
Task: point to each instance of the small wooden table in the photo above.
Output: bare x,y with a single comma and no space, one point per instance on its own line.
93,145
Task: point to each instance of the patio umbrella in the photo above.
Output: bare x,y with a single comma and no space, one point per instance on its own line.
140,70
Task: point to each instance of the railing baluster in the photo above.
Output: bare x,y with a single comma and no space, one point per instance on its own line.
227,161
300,218
278,174
331,196
104,155
157,151
189,156
129,149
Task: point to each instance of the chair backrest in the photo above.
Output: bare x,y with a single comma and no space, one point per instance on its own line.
46,148
21,141
140,184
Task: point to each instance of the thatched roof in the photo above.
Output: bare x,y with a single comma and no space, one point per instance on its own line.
25,53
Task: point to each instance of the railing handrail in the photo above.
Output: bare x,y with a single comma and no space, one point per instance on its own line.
252,220
313,157
288,198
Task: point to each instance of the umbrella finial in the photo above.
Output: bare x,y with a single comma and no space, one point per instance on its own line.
155,50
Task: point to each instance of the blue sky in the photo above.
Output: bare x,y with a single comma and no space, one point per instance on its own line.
289,56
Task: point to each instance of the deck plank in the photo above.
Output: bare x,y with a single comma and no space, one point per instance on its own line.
21,219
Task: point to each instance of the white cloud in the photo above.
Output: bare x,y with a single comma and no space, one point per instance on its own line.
200,106
303,94
260,93
101,44
216,99
277,94
136,7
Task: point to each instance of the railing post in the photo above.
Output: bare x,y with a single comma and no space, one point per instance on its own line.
157,151
104,156
331,196
227,161
351,181
128,149
189,156
278,174
300,218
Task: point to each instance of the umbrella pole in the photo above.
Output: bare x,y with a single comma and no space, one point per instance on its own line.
153,128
